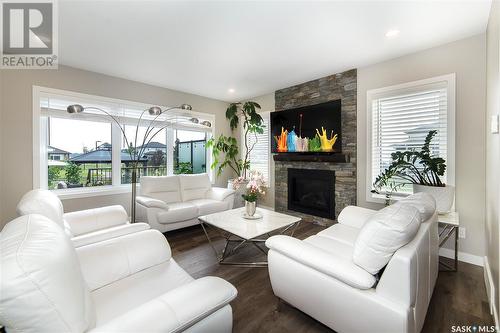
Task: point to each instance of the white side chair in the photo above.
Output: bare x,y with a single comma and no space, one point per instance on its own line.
125,284
371,272
174,202
83,227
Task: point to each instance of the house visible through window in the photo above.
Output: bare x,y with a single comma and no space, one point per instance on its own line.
399,119
88,150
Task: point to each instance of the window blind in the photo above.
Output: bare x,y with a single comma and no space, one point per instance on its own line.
259,156
402,119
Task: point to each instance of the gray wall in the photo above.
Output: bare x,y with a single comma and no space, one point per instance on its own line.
493,149
466,58
16,124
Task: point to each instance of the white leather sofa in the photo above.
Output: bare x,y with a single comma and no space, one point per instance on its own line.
173,202
125,284
371,272
83,227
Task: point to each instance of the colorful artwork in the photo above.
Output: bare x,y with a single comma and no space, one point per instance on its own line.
302,144
281,141
315,144
291,141
326,144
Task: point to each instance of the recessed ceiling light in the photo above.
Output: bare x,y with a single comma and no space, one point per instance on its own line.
392,33
230,90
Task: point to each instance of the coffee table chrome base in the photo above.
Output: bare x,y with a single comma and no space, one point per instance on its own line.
231,238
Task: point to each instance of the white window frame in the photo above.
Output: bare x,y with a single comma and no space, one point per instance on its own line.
242,140
40,157
401,89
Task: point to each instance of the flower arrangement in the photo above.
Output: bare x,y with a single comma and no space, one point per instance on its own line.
255,187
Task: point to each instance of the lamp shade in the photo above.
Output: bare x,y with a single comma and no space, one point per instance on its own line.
154,110
75,108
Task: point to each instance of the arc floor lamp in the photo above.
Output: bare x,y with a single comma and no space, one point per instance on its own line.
154,126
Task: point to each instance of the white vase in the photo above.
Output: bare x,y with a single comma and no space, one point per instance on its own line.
238,200
250,207
444,196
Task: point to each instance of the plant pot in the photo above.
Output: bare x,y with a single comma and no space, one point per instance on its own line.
444,196
238,200
250,207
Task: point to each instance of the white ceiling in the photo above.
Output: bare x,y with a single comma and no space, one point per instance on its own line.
206,48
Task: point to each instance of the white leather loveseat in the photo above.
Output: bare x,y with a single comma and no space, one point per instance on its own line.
84,226
125,284
371,272
173,202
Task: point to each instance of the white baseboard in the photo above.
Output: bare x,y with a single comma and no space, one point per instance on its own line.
462,256
490,290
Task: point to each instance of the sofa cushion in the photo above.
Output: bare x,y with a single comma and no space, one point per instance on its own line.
424,202
383,234
209,206
164,188
43,202
332,246
342,233
178,212
194,186
126,294
42,287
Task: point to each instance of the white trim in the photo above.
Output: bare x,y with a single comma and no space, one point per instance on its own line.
39,179
451,120
462,256
490,290
84,192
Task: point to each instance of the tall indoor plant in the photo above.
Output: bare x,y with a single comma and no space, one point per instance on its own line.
225,150
422,169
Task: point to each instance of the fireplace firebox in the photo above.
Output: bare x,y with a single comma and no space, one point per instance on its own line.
312,192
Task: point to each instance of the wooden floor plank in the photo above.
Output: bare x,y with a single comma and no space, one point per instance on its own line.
459,298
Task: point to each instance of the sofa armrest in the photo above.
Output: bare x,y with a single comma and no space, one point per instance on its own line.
355,216
151,202
339,268
219,193
105,234
89,220
176,310
111,260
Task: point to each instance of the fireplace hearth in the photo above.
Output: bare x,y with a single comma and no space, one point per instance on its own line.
312,192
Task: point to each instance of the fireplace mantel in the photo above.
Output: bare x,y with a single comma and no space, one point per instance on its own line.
299,157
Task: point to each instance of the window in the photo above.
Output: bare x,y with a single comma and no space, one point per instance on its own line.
399,118
82,153
260,154
190,154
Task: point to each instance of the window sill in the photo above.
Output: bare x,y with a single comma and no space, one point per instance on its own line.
380,198
76,193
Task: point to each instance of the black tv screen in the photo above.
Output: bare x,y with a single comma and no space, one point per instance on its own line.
296,130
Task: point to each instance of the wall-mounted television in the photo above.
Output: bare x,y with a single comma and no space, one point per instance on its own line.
310,129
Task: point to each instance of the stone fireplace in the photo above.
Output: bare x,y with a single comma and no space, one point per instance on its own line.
341,86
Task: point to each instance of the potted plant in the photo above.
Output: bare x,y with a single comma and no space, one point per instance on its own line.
385,184
253,189
424,171
225,150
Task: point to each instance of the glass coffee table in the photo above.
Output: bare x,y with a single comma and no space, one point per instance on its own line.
238,231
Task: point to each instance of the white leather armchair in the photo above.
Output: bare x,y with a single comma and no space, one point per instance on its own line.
327,277
173,202
125,284
83,227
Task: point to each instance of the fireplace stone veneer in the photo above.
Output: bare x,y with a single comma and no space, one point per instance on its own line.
341,86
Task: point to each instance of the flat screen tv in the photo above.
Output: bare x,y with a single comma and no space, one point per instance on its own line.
311,129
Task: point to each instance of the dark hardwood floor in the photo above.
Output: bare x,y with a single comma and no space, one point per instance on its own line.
459,298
